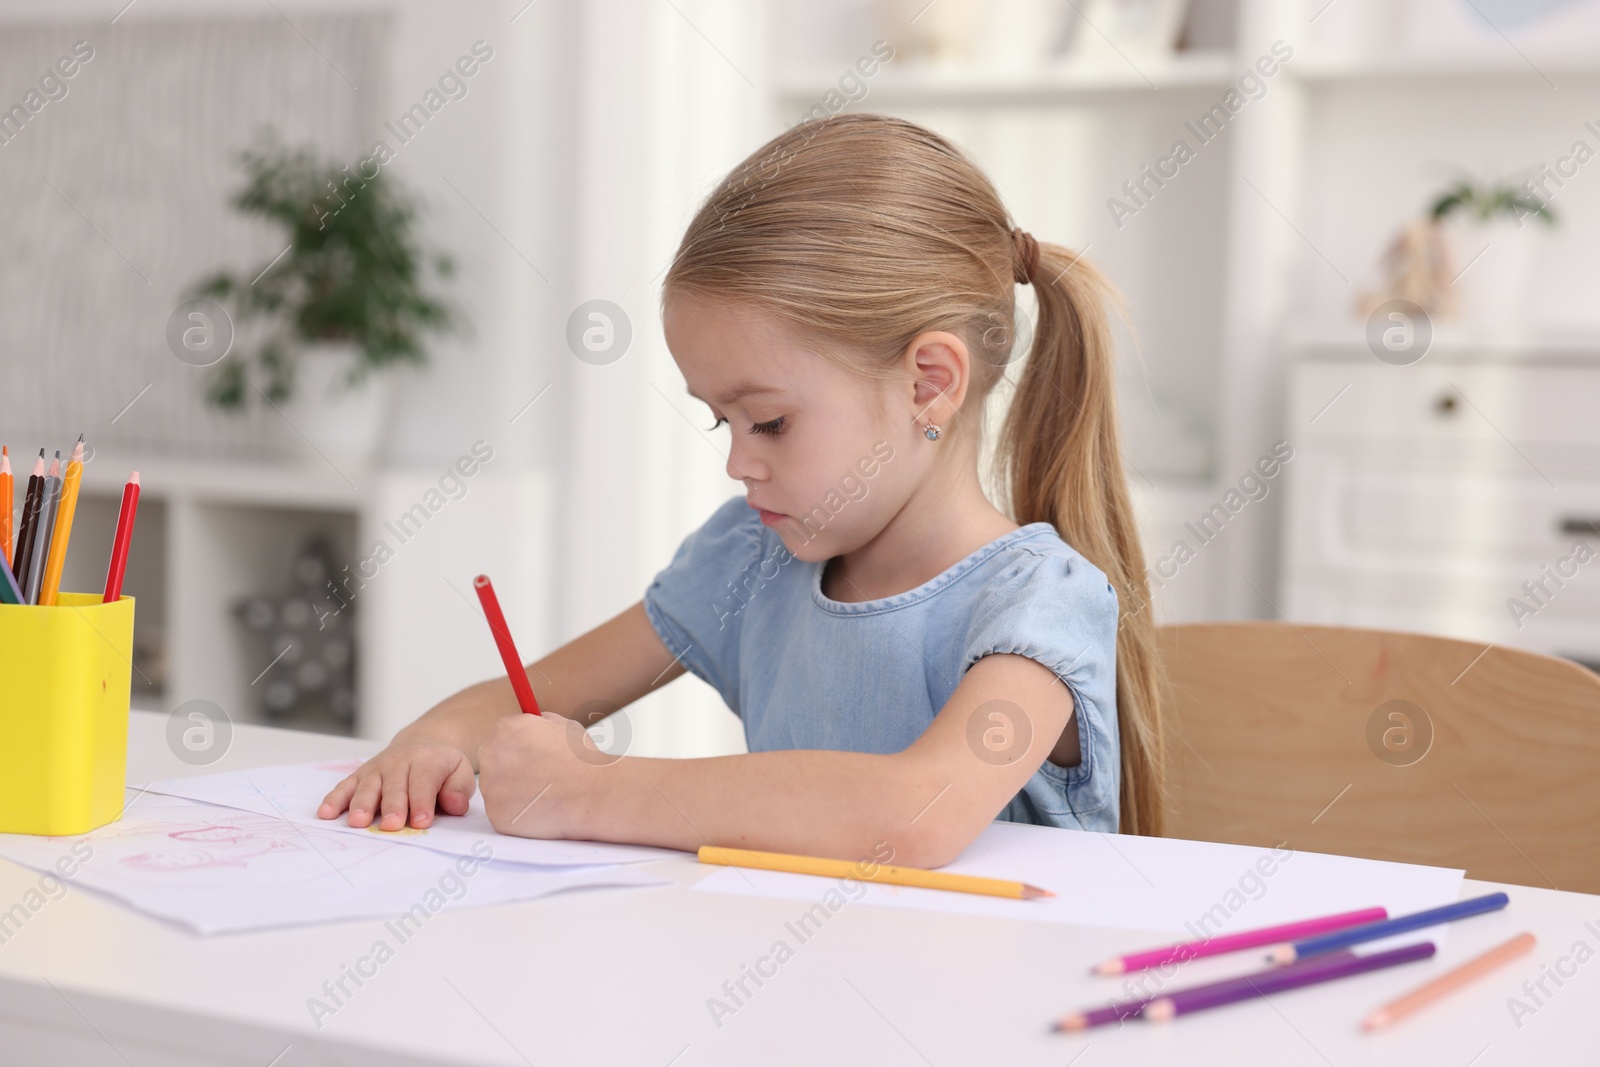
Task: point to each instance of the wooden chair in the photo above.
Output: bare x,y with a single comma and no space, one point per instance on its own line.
1385,745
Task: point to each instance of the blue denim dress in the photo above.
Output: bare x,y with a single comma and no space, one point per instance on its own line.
806,672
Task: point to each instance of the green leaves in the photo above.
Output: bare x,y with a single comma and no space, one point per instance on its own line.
1486,202
354,270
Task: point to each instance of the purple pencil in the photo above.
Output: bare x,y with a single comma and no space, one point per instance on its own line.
1128,1009
1277,980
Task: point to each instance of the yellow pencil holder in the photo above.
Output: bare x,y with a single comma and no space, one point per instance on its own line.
65,674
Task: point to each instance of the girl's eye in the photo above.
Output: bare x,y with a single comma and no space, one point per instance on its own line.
773,427
720,421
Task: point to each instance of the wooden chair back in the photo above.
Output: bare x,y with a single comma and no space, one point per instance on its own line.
1385,745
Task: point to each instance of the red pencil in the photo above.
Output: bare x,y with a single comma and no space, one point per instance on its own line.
119,547
508,650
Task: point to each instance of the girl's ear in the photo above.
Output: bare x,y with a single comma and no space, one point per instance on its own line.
938,364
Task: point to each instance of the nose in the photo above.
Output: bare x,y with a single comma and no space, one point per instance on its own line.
744,465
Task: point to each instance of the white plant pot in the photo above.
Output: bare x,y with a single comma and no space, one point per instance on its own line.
1492,293
1352,30
1019,34
938,34
332,421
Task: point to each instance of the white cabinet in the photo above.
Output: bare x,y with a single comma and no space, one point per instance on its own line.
1458,497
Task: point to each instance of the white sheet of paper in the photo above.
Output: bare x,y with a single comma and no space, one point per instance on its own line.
1193,889
294,792
221,870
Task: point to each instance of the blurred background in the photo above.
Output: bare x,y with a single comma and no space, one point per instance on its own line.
1358,241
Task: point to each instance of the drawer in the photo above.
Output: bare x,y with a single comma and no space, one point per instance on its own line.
1446,402
1346,512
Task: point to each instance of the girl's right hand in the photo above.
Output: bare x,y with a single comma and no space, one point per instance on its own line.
401,784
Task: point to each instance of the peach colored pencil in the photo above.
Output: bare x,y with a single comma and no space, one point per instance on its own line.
1446,983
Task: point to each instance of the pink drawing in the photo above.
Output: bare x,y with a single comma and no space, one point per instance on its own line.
229,844
343,766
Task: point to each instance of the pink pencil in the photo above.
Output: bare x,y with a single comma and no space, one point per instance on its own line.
1216,946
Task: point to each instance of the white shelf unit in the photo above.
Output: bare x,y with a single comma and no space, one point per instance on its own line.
209,533
1426,495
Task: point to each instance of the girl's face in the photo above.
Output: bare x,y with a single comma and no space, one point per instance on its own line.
826,469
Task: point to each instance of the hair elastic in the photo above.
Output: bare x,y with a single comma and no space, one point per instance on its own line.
1026,262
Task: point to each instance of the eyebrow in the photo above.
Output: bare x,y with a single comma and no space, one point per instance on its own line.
739,392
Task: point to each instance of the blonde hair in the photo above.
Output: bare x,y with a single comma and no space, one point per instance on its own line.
863,231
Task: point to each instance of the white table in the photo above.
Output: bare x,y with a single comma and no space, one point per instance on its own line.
623,977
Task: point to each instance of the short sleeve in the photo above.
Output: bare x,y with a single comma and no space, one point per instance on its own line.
1058,609
693,602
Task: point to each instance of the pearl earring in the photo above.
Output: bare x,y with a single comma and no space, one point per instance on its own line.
931,431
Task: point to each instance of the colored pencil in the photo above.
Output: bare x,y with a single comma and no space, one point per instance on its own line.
6,503
119,547
1356,935
1129,1009
1278,980
1216,946
46,526
10,592
1448,982
62,532
515,671
31,502
830,868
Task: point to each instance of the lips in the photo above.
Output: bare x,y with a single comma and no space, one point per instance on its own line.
769,518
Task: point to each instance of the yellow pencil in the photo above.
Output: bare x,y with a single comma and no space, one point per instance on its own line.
63,529
1445,983
864,871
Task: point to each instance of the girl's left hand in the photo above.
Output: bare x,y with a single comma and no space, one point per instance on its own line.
533,781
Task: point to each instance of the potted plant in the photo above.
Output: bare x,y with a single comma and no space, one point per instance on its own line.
347,298
1490,227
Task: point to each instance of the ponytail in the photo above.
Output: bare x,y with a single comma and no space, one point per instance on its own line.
1061,460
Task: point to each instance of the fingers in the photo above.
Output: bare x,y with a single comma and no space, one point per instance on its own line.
395,798
364,802
337,799
453,794
456,793
422,790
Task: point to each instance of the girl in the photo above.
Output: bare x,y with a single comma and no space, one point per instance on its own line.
909,661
